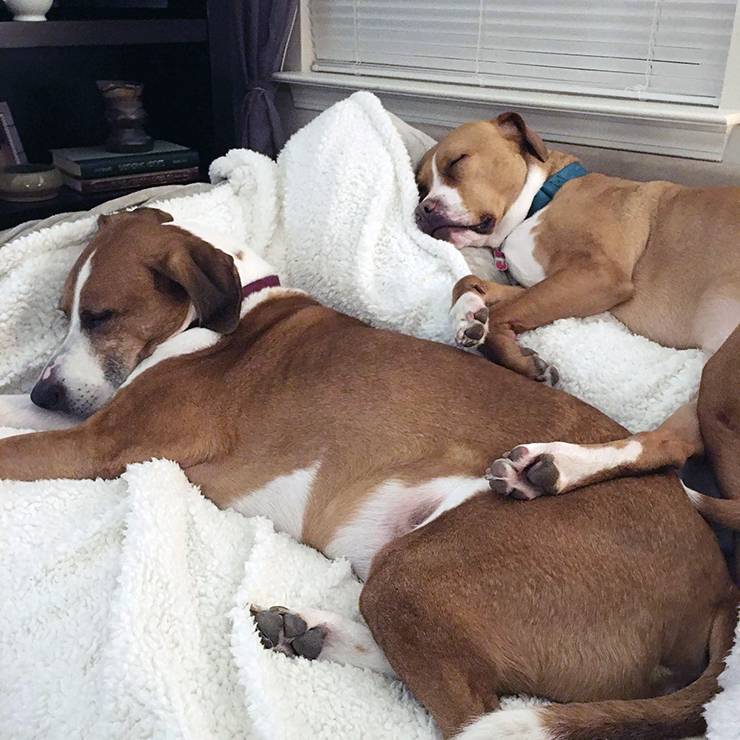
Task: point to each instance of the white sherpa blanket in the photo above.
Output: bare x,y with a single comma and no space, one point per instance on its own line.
124,613
123,603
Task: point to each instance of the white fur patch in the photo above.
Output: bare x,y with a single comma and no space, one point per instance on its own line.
576,463
75,365
389,512
347,641
447,196
506,724
519,252
260,296
462,316
184,343
456,490
283,500
519,209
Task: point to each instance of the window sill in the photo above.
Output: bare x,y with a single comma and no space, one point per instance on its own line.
690,131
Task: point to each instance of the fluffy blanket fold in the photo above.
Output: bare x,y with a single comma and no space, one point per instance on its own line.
123,604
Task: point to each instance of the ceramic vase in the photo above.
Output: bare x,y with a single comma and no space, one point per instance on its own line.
29,10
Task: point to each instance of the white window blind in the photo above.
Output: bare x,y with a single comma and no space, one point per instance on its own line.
669,50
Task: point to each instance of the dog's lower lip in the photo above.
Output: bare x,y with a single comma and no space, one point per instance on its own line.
483,227
448,227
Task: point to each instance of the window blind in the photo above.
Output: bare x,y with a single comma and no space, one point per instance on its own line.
669,50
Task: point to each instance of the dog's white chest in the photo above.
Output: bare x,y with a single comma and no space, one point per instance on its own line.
519,250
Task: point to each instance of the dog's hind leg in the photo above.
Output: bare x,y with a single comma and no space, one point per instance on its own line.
319,635
531,470
719,418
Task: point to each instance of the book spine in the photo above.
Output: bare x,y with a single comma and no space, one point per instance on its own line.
117,167
151,179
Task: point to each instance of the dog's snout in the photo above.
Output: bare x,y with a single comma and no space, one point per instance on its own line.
430,215
426,208
49,393
427,215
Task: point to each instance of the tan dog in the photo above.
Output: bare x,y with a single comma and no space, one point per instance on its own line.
355,441
664,259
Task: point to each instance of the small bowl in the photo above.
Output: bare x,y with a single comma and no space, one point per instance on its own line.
21,183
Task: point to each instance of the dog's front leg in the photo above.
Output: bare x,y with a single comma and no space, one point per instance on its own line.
473,300
136,425
69,453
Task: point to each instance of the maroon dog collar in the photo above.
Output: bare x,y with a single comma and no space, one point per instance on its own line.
269,281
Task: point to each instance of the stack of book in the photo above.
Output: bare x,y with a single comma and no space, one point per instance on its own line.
93,169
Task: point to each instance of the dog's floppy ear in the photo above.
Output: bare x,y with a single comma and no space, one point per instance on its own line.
512,126
208,276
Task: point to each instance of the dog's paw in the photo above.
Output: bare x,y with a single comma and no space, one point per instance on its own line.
287,632
540,370
469,318
525,473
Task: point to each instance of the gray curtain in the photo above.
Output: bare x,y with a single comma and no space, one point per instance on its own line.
261,28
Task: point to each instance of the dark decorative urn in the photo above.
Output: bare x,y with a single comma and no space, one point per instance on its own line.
125,114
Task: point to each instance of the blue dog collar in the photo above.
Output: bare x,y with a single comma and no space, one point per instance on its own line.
553,183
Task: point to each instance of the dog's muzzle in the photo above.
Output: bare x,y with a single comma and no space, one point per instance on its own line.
432,220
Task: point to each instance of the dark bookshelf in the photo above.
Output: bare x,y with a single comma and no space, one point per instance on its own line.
103,33
49,71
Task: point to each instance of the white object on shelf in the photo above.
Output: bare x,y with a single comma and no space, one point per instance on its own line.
29,10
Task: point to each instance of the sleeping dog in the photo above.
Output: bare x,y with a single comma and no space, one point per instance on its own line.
664,259
615,600
124,297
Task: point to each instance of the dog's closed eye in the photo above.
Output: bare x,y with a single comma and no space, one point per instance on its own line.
450,169
95,319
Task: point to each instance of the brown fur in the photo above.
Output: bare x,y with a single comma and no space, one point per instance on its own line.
143,278
719,418
658,255
583,598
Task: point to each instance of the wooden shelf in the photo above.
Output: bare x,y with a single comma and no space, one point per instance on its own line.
29,35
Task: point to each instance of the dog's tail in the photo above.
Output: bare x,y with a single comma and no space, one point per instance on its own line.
723,511
675,715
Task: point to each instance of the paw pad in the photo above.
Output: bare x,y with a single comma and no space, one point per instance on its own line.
524,475
287,632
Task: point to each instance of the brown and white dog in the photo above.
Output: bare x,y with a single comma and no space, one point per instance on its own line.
615,599
123,299
664,259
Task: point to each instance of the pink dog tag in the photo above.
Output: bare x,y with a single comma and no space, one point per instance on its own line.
500,260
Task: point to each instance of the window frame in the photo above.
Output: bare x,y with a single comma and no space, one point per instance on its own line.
679,130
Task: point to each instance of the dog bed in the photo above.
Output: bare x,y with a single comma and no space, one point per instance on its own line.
124,604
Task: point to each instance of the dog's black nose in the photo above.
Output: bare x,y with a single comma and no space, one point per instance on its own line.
49,394
426,215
